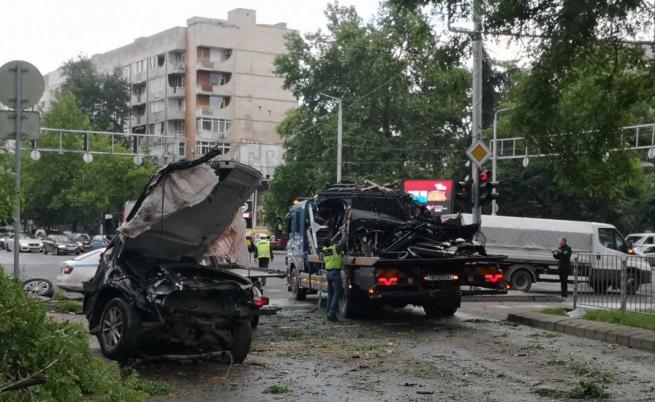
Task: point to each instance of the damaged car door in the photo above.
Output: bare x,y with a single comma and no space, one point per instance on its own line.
151,294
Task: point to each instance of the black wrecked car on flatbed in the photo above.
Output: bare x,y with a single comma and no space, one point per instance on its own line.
151,294
396,252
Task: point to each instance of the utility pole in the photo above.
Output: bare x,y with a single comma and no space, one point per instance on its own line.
477,106
18,154
339,133
494,153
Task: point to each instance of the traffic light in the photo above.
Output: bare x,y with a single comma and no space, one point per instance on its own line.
462,195
487,188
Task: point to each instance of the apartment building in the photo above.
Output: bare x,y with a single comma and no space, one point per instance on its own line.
208,84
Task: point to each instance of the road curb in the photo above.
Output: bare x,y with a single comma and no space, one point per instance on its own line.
636,338
511,298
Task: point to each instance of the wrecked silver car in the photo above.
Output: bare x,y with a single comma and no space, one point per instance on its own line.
151,293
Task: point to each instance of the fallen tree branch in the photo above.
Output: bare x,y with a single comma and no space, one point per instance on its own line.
32,380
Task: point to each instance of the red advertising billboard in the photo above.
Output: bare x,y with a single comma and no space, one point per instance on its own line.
436,195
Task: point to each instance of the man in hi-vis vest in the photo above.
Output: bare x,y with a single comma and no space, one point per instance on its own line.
263,251
333,264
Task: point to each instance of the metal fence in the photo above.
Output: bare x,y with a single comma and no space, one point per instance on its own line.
613,282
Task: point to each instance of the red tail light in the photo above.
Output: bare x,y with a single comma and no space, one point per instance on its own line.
393,280
494,278
67,269
261,302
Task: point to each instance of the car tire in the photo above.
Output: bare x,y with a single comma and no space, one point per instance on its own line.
39,287
119,332
254,321
297,292
241,340
521,280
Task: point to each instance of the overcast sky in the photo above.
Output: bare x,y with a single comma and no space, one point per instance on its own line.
46,33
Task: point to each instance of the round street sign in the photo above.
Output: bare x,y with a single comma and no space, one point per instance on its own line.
33,84
651,153
87,157
35,154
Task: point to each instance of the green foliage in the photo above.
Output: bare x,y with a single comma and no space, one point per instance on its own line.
583,390
66,305
644,320
7,187
277,389
62,189
405,102
55,354
103,97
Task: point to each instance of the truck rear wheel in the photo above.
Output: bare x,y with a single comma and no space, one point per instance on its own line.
521,280
438,308
297,292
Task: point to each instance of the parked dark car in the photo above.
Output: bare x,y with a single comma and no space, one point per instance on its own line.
59,244
83,241
150,293
279,243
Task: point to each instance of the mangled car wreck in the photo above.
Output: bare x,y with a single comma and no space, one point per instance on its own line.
151,294
396,252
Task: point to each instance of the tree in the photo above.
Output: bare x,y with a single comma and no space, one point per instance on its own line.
405,97
104,97
62,189
7,189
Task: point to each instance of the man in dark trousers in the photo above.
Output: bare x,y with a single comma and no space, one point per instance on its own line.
563,256
333,264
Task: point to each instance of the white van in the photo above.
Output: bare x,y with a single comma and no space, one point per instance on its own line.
528,244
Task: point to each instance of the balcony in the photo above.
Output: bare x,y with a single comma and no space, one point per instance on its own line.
141,76
206,111
138,120
138,99
174,113
224,65
176,67
208,89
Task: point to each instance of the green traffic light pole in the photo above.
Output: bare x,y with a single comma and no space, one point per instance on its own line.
494,153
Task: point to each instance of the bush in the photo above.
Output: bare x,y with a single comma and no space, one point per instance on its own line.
53,357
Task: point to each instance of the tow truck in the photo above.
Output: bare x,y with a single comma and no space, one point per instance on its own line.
396,252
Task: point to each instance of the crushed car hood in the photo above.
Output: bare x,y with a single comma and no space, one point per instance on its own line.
186,206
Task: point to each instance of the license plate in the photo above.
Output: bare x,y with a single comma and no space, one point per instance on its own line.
440,277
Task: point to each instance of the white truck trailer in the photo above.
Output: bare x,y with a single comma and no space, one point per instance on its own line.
528,244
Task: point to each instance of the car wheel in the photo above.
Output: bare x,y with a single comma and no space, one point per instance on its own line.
254,321
38,287
298,292
632,283
241,339
521,280
120,329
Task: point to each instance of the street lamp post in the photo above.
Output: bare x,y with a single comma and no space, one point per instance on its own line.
494,156
339,133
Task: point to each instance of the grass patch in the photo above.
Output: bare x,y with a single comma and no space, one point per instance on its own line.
557,361
637,320
554,311
277,389
150,387
583,390
65,305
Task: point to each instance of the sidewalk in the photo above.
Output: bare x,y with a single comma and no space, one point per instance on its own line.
627,336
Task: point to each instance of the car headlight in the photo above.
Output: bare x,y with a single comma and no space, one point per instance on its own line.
61,246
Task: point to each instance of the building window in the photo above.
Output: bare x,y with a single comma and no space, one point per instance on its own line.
160,60
176,80
140,66
178,127
179,104
178,56
181,149
219,78
156,84
218,54
156,106
219,126
219,102
203,53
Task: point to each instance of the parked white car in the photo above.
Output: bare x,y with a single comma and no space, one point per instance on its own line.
640,241
26,244
80,269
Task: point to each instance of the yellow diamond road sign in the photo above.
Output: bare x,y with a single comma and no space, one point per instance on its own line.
478,153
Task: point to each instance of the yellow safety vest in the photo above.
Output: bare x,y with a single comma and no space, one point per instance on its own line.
331,258
264,249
